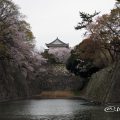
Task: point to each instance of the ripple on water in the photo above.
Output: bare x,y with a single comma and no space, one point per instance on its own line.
54,110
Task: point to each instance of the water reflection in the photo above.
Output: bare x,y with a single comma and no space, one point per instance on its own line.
54,110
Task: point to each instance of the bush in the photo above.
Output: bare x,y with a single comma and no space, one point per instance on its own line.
82,59
50,57
82,68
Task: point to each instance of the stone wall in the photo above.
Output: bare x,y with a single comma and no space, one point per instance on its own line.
13,82
56,77
104,86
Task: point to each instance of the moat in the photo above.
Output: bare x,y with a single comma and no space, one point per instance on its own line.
54,109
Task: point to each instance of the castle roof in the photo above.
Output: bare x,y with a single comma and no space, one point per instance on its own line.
57,43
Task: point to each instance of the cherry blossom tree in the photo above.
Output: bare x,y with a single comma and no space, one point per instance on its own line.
61,54
16,36
105,30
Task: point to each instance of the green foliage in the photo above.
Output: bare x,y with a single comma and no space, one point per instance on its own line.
86,19
76,93
16,36
4,53
13,27
24,26
79,67
50,57
118,0
104,33
82,59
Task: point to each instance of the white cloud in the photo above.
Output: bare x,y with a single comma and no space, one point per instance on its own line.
56,18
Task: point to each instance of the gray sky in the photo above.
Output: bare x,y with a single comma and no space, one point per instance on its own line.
57,18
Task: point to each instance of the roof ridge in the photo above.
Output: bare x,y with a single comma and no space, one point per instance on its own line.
56,40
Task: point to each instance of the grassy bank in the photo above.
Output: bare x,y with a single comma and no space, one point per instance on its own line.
57,94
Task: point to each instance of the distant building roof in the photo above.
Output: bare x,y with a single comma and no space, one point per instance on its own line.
57,43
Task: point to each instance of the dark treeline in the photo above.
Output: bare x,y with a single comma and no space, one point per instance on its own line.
101,47
18,61
24,72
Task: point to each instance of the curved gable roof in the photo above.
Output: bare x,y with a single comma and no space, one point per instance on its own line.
57,43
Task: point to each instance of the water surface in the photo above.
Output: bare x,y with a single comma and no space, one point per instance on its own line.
54,109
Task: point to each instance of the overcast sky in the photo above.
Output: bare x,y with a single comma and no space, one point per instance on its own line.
50,19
